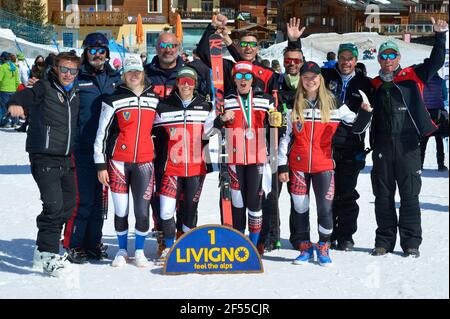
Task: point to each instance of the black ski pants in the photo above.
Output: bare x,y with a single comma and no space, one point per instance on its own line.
396,162
345,207
55,178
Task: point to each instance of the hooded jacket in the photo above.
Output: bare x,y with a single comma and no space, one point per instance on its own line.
9,77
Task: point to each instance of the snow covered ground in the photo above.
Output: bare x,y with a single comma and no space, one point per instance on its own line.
354,275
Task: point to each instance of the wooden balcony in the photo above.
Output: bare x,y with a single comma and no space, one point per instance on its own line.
104,18
425,17
207,15
272,12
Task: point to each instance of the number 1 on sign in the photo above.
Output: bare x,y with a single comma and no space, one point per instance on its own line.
212,233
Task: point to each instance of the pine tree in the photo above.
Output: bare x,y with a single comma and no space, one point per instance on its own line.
11,5
34,10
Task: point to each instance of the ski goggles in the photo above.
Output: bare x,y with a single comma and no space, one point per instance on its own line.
290,61
64,70
166,45
240,76
251,44
184,81
390,56
94,51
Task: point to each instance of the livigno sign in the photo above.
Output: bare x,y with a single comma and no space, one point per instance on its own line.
213,249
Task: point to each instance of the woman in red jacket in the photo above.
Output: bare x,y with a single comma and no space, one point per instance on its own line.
123,154
181,117
305,157
246,120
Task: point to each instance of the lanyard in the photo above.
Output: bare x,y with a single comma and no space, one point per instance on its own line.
247,108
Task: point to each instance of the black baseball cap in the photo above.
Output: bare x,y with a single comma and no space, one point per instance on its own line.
310,66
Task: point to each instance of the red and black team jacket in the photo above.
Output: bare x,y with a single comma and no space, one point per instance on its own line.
125,126
181,130
306,147
245,146
408,94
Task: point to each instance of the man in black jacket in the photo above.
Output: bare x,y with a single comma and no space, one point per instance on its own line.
345,81
399,120
52,106
269,238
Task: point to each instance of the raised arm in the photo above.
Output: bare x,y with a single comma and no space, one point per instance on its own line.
431,65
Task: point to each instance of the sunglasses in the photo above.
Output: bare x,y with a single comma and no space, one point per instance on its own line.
64,70
290,61
240,76
94,51
165,45
184,81
390,56
251,44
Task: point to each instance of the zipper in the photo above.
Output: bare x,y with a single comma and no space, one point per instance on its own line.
70,128
311,141
403,99
185,144
47,139
138,130
312,135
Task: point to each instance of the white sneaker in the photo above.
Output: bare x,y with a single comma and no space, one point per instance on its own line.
37,261
55,265
120,259
163,258
140,260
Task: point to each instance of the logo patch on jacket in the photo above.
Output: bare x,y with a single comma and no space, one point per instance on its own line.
299,126
126,115
61,97
173,131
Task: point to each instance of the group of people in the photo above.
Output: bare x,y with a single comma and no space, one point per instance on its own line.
145,130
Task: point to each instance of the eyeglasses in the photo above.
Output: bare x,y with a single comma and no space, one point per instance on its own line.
93,51
165,45
184,81
251,44
240,76
64,70
390,56
290,61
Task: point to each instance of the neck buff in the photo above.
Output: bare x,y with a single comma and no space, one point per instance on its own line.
292,81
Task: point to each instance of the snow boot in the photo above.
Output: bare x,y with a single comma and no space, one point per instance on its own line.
323,253
98,252
306,253
412,252
379,251
140,260
76,255
121,258
55,265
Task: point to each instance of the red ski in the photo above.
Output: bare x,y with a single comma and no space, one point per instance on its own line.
215,48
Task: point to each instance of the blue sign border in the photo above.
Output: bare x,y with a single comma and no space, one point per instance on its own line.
200,238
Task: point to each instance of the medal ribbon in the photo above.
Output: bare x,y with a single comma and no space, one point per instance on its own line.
247,108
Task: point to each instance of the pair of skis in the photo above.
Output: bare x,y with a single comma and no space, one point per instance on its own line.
215,48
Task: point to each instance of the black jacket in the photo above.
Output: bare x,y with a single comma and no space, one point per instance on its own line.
406,98
53,116
265,80
344,138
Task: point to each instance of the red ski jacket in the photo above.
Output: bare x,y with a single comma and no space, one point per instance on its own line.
125,126
182,138
306,147
246,144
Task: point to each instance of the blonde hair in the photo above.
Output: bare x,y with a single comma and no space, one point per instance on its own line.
326,103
